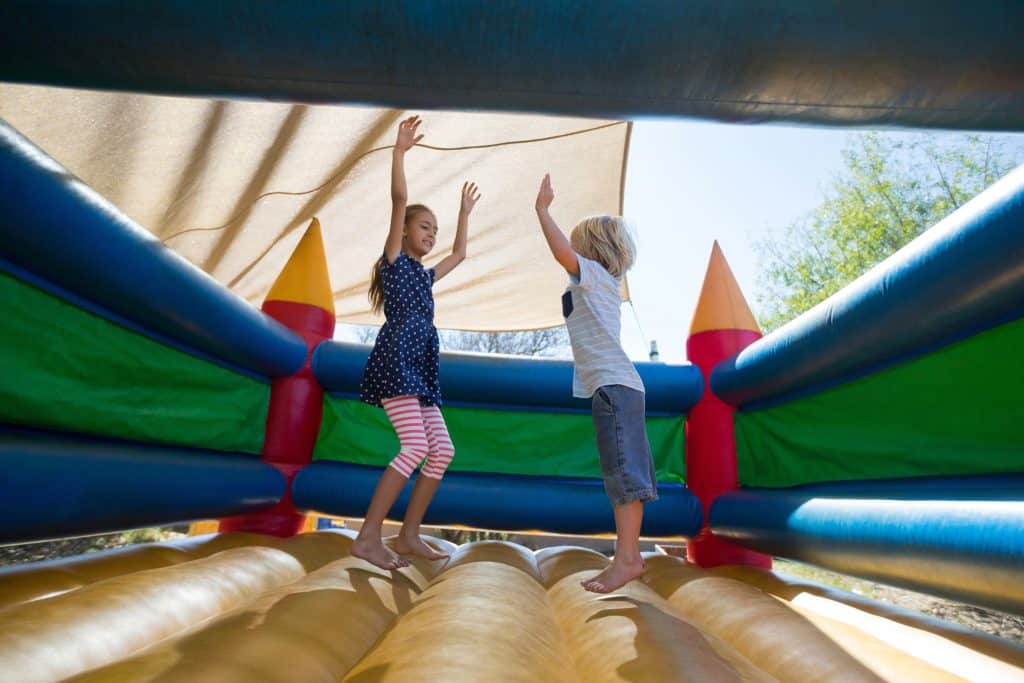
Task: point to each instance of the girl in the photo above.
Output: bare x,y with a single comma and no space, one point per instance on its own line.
596,256
401,373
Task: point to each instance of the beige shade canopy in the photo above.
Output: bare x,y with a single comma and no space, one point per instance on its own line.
231,185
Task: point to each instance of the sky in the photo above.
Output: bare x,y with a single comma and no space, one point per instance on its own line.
689,184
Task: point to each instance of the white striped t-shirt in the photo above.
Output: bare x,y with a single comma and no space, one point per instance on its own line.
591,305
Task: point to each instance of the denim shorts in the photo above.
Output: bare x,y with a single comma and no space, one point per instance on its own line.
626,462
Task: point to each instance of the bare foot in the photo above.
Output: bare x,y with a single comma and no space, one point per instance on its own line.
377,553
414,545
615,576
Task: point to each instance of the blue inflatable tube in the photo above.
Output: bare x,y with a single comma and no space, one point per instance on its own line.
922,63
58,229
511,383
54,485
964,275
962,538
501,502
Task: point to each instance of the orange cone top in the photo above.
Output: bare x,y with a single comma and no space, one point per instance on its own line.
721,305
304,279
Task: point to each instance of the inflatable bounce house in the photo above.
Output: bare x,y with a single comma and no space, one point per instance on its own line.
881,434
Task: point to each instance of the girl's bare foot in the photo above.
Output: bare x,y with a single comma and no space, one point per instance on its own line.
615,576
376,553
407,544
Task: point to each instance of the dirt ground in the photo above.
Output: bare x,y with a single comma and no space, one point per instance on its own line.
69,547
988,621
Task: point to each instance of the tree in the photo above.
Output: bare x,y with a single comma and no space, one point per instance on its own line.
553,342
366,334
889,192
550,342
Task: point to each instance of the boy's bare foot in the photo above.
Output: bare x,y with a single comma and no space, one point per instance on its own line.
615,576
377,553
414,545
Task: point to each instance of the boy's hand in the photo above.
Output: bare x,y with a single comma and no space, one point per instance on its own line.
545,195
470,196
407,137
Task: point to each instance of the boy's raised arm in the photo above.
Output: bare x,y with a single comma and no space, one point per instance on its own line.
557,242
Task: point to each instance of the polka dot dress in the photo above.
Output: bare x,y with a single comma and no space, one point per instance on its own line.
405,358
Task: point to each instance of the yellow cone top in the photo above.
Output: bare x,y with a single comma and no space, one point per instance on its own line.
304,278
721,305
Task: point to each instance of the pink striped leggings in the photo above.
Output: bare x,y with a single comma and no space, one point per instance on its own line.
422,433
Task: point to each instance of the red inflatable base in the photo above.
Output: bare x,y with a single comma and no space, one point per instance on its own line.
707,550
293,420
711,447
282,520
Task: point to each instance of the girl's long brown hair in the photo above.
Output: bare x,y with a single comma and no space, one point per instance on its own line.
376,286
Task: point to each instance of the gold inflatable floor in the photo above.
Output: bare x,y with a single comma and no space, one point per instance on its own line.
243,607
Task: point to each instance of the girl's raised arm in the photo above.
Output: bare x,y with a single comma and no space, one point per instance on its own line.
407,138
557,242
470,196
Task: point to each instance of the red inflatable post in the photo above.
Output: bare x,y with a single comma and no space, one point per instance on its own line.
301,299
722,326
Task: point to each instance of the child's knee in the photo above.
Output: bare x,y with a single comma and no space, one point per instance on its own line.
438,462
408,459
631,479
627,485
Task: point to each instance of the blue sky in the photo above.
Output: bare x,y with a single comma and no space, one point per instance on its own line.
691,183
688,184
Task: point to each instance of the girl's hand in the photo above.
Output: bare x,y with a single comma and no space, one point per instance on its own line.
545,195
470,196
407,137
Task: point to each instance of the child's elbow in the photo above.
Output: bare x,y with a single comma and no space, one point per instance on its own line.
568,260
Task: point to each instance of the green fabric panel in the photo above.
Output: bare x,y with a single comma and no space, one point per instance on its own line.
957,410
506,442
65,368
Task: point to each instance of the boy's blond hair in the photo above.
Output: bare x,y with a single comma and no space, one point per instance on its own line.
607,240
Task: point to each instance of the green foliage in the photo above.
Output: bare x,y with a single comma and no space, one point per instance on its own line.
547,343
552,342
890,191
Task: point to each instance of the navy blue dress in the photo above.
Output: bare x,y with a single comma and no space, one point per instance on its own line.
405,357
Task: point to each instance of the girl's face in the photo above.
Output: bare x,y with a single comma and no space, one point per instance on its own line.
420,234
